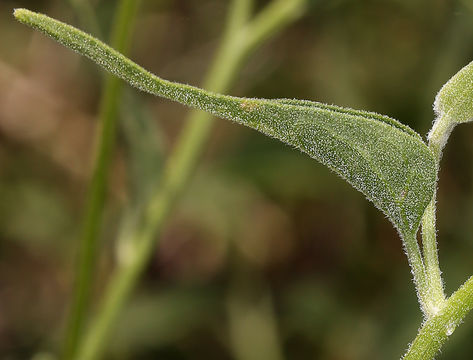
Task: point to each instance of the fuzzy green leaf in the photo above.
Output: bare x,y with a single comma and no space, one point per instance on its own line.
452,106
453,101
382,158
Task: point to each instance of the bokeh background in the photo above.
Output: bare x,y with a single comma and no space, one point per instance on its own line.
266,246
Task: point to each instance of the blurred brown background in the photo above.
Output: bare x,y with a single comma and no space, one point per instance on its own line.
265,241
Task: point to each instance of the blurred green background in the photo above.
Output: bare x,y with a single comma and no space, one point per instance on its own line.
266,246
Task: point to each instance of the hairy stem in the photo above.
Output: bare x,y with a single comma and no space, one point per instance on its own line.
125,14
436,330
418,269
436,295
439,135
443,315
178,169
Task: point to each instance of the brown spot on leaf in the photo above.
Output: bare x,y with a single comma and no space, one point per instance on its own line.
249,105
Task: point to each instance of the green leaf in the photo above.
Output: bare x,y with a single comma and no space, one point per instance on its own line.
453,101
382,158
453,105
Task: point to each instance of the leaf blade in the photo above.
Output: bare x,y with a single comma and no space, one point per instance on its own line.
384,159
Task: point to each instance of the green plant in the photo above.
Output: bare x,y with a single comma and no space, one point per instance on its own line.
243,34
384,159
126,11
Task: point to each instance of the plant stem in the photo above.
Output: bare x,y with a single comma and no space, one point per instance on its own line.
276,15
125,14
436,330
436,295
234,48
444,315
417,266
439,134
86,15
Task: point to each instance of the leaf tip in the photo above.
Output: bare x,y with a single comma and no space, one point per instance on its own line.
21,14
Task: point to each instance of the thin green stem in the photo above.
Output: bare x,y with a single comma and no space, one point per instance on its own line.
417,267
436,295
439,134
443,315
276,15
86,15
232,52
96,196
436,330
432,296
240,13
